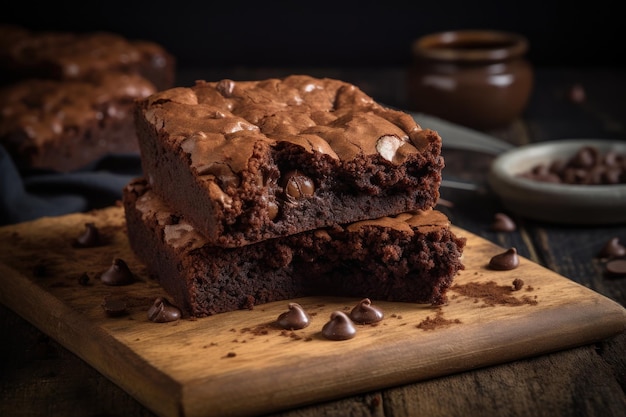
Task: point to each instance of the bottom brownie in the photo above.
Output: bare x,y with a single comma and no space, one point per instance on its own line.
412,257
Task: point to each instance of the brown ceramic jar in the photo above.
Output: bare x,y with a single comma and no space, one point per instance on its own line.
476,78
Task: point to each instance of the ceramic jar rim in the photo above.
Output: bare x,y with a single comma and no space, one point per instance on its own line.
491,45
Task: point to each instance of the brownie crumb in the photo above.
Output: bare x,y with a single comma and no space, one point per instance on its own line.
231,355
438,321
518,284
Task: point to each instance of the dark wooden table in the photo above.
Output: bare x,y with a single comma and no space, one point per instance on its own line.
39,377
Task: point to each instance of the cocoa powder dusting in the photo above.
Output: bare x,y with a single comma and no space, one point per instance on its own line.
492,294
438,321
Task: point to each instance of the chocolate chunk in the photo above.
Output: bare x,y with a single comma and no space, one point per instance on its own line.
114,307
162,311
612,249
339,327
117,274
503,223
293,319
366,313
616,267
225,87
272,210
89,238
297,185
505,260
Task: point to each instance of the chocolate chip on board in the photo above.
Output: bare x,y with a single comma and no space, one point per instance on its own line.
505,260
616,268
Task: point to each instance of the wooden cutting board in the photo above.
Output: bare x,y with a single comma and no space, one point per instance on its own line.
239,364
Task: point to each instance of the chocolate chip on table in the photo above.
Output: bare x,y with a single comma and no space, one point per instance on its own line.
117,274
505,261
365,313
294,319
503,223
89,238
616,268
114,307
612,249
162,311
340,327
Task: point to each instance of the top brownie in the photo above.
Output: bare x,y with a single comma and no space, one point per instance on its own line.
78,56
253,160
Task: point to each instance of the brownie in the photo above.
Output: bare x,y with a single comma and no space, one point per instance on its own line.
248,161
78,56
411,257
64,125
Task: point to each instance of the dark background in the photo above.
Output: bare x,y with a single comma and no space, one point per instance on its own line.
334,33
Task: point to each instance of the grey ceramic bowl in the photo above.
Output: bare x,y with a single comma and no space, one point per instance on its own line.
557,203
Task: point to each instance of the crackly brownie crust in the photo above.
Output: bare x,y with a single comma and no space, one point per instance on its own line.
412,257
78,56
252,160
64,125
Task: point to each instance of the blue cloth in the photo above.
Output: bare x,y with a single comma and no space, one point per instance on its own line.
27,196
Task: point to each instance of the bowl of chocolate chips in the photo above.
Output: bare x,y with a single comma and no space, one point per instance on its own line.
570,181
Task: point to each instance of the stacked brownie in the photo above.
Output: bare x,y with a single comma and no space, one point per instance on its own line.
259,191
67,99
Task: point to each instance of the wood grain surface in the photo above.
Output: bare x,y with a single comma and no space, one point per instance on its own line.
240,364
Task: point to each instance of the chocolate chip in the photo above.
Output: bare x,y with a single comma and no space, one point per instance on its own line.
297,185
339,327
503,223
294,319
365,313
162,311
89,238
114,307
117,274
616,267
612,249
505,260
